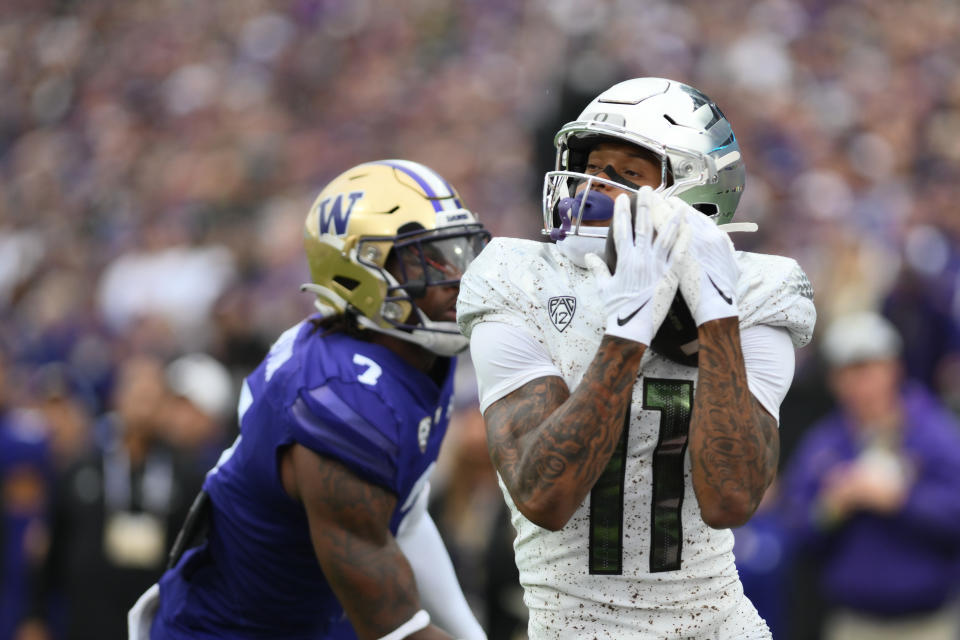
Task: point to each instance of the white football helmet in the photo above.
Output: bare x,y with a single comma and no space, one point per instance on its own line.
699,155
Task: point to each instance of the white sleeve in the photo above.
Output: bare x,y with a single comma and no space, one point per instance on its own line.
440,592
506,358
769,358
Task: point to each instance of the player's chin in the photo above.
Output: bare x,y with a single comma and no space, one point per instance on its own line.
447,315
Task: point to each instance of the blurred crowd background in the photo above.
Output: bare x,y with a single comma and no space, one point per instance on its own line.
158,158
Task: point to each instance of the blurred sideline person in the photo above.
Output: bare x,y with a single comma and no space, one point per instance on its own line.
626,449
201,407
314,523
114,513
873,493
762,553
25,465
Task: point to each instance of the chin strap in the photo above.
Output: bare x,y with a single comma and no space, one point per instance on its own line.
746,227
441,338
420,620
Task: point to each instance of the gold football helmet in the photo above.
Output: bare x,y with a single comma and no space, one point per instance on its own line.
378,237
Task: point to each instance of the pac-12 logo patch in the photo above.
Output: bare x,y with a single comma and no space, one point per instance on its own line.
561,309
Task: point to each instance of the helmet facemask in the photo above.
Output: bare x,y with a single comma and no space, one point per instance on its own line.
419,261
563,188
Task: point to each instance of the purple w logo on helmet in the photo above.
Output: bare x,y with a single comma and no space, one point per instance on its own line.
330,211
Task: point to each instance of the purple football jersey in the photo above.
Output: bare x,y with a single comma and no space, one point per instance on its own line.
256,576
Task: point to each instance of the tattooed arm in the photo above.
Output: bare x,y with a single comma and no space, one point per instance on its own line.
734,441
350,529
550,446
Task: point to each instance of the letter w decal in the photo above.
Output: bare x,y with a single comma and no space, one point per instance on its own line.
330,212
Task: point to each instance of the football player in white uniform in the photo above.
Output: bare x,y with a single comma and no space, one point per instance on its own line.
633,416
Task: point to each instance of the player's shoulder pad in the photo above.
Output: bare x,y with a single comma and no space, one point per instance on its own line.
774,291
342,410
499,281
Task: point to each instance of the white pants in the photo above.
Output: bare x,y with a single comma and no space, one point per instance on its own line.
140,617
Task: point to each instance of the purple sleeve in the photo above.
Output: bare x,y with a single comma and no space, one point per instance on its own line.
932,509
351,425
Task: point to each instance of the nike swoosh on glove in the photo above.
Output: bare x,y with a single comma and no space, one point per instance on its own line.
708,270
637,296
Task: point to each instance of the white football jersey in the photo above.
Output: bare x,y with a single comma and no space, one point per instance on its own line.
636,560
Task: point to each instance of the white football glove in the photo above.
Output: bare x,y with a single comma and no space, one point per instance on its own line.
638,295
708,270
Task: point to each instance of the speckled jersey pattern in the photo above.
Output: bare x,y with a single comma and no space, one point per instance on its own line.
636,559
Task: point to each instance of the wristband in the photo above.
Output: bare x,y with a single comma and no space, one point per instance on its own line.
419,621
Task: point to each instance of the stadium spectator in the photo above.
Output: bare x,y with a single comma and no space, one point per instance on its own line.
761,549
201,412
113,513
924,306
872,493
24,487
168,281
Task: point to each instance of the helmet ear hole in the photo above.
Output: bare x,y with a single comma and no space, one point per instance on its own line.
706,208
347,283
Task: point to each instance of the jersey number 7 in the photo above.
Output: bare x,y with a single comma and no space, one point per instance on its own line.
674,400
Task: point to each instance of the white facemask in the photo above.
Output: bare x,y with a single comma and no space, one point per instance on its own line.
577,247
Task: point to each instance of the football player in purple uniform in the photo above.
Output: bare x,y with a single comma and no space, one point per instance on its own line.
313,524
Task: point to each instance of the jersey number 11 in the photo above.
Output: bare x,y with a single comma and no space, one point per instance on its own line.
674,400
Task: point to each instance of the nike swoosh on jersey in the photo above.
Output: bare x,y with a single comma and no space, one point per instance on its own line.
726,298
623,321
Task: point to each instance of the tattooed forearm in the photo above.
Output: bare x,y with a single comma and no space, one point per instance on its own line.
549,445
734,442
349,526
